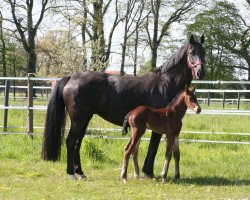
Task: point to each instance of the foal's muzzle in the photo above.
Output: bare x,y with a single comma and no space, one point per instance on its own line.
198,110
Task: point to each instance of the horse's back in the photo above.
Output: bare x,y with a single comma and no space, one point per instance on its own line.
111,96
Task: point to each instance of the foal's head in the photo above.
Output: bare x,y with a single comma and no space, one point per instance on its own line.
191,100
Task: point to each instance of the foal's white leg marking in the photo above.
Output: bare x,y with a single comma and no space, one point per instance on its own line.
124,169
135,159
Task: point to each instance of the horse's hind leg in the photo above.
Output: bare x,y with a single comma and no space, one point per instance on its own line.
73,141
177,158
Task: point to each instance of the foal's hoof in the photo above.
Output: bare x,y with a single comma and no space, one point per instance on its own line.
163,180
138,176
124,180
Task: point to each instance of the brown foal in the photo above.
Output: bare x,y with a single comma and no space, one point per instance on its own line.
167,121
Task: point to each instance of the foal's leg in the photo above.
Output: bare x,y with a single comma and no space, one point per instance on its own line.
135,159
128,150
177,158
125,161
169,149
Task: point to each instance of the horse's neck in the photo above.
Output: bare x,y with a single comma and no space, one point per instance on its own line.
179,70
179,107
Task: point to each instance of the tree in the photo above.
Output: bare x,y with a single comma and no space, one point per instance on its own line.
59,54
227,40
160,26
132,23
23,18
3,47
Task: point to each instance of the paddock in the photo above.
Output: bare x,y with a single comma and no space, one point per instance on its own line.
214,145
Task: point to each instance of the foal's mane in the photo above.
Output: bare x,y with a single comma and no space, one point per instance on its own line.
174,60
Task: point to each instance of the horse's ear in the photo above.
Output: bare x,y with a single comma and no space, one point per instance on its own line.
191,40
193,89
202,39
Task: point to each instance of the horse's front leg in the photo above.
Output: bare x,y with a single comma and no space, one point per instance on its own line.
177,158
148,166
169,149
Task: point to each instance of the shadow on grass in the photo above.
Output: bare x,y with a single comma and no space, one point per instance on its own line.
215,180
205,181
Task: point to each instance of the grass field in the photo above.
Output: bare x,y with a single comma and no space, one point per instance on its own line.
208,171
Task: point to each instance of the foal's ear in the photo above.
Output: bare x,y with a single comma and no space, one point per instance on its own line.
193,89
191,40
202,39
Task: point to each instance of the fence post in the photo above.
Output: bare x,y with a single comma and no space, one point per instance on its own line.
223,101
208,98
6,104
238,101
30,104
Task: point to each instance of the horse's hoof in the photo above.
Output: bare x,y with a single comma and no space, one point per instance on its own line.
149,176
72,177
82,176
124,180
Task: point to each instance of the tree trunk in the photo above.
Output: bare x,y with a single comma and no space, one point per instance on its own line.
84,29
123,57
3,50
153,58
136,50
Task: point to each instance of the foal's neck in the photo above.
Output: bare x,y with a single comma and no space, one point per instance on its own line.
179,106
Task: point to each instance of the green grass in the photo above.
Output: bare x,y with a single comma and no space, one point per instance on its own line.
207,172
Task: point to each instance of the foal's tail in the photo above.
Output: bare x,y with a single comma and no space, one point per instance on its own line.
55,123
125,124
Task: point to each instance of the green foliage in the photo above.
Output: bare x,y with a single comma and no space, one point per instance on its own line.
92,151
15,57
145,68
58,54
224,31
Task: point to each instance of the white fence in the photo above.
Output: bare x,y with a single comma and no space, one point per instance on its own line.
30,86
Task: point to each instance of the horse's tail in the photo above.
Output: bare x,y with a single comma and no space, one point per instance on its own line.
55,123
125,124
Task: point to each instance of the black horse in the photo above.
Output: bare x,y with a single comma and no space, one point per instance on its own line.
112,97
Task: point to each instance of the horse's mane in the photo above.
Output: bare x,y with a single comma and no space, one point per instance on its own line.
174,60
175,98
